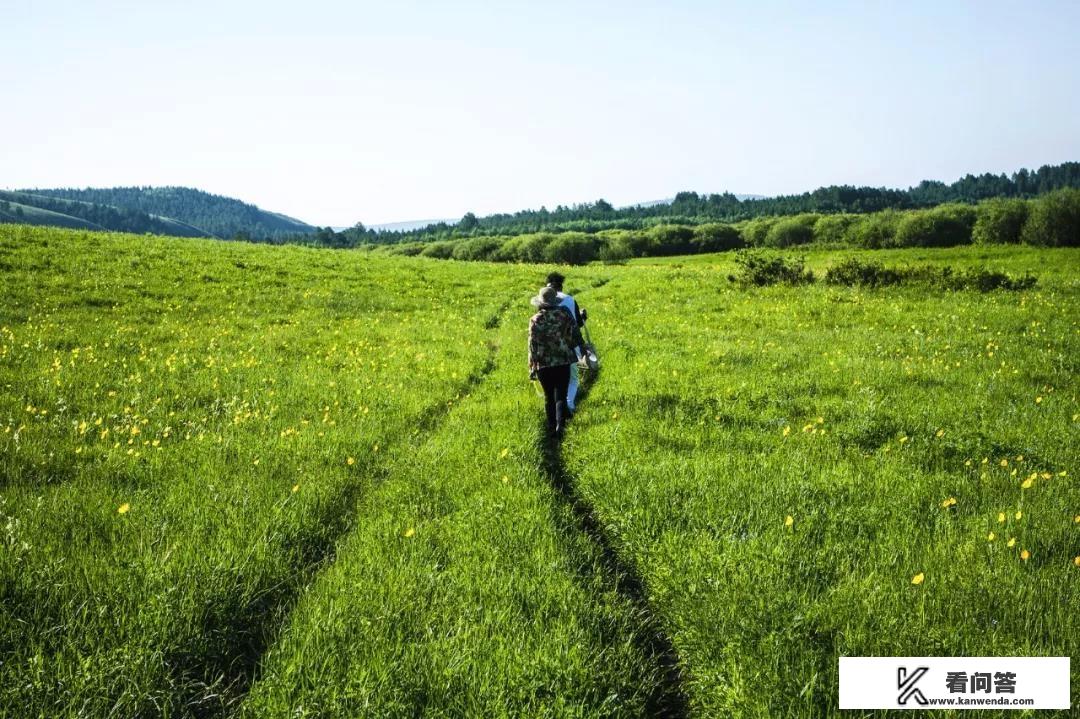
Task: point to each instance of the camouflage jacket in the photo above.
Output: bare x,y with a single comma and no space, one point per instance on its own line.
553,336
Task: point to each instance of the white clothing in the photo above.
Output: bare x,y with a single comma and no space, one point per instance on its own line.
568,302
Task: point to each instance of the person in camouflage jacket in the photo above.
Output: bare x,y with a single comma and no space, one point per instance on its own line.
553,340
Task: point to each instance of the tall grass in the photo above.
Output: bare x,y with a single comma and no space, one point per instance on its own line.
243,480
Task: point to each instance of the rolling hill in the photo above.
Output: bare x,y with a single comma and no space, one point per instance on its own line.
180,211
34,208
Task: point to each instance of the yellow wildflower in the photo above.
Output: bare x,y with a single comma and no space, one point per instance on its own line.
1025,554
1012,542
789,520
918,578
123,508
408,532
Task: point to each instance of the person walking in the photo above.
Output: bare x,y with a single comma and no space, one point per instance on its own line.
556,280
553,343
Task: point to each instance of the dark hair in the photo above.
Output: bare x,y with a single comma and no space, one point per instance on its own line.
555,279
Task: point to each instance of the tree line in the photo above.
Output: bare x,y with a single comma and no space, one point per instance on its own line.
1052,219
692,208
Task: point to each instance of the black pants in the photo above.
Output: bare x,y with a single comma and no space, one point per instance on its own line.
555,381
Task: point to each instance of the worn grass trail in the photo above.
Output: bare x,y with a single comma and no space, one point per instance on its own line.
467,589
667,697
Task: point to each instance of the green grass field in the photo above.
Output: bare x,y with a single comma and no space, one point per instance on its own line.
241,480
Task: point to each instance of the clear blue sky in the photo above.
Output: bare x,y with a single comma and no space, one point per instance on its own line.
335,112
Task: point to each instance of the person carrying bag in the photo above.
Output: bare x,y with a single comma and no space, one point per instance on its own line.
554,341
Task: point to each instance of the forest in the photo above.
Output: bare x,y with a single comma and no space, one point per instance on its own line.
218,216
1051,220
692,208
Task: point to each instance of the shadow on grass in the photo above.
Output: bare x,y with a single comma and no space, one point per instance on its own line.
667,697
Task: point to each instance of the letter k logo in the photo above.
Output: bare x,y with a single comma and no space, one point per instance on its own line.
906,684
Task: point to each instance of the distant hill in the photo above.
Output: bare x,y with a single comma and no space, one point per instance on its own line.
39,209
202,213
407,225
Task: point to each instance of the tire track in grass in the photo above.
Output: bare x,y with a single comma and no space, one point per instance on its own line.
475,590
668,698
247,632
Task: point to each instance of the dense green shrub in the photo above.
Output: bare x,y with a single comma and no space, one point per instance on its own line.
1054,220
439,250
477,248
984,280
876,230
790,231
759,269
614,253
944,226
532,247
834,229
637,243
408,249
572,248
852,272
716,238
755,231
999,221
524,248
665,240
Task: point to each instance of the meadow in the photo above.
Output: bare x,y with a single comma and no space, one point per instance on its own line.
242,480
